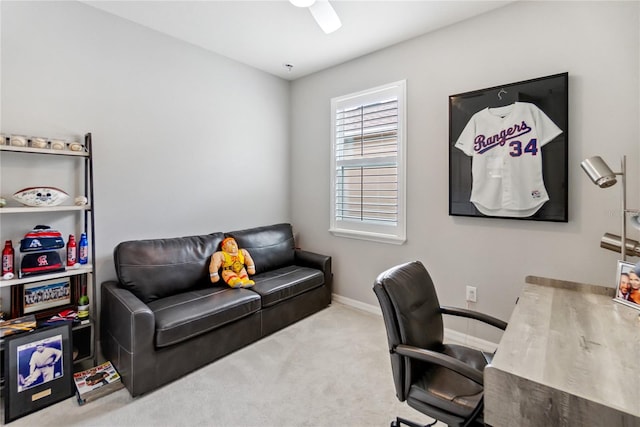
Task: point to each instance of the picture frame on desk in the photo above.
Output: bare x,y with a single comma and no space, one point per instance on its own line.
38,370
627,285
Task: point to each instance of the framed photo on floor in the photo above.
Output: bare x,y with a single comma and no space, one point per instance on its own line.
627,285
38,370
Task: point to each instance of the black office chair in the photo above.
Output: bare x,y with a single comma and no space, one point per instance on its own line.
443,381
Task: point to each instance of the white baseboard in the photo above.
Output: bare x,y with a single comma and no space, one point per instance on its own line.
356,304
456,337
450,334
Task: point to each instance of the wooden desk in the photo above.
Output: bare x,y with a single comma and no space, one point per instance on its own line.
569,357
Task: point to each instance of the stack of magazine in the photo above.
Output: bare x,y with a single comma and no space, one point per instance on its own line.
96,382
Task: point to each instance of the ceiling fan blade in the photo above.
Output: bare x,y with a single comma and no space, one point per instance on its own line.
325,16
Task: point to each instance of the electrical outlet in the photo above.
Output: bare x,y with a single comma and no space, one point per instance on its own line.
472,294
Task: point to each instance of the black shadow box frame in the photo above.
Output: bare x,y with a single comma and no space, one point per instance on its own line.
25,393
551,95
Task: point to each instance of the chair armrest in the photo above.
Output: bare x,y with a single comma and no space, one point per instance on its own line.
463,312
443,360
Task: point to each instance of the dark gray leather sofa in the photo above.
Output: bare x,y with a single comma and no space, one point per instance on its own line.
163,318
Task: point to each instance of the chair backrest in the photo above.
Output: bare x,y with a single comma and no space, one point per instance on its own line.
411,313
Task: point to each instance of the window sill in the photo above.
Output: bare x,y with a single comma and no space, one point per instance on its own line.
364,235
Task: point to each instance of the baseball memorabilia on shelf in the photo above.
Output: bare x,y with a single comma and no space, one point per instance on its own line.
508,151
40,247
628,284
38,142
58,145
18,141
44,298
96,382
63,316
37,370
33,263
41,238
17,325
47,294
40,196
8,260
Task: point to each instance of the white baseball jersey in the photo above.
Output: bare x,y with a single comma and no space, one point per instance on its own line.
505,145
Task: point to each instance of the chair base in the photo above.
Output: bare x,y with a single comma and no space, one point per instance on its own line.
399,421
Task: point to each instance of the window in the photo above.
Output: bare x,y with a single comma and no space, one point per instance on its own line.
368,164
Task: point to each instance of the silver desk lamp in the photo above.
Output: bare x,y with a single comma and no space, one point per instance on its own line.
602,175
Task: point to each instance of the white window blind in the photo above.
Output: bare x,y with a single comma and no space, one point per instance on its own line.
368,164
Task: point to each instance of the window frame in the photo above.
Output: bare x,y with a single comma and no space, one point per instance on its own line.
365,230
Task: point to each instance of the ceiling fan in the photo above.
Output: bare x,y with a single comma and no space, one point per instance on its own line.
323,13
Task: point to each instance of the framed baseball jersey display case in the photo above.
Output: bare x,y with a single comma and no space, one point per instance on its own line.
508,151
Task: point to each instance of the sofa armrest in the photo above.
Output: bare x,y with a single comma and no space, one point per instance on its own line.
126,318
313,260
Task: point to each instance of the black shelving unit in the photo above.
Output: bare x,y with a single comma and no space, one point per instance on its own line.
84,334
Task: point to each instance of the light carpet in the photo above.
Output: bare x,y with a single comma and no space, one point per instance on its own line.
329,369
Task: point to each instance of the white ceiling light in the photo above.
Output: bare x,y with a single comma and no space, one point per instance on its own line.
325,16
322,12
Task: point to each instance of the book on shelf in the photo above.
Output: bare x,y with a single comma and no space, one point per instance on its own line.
17,325
96,382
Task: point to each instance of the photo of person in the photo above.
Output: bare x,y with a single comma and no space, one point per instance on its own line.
634,286
628,284
39,362
624,286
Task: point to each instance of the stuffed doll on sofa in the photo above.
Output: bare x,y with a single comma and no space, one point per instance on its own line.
233,261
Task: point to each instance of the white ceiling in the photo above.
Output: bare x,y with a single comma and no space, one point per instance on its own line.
270,33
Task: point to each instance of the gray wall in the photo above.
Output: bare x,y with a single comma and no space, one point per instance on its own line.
596,43
185,141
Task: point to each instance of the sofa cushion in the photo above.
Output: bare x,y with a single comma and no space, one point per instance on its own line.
284,283
185,315
153,269
270,247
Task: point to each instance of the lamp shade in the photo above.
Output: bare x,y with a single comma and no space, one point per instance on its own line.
635,221
599,172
